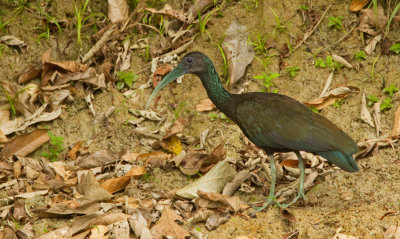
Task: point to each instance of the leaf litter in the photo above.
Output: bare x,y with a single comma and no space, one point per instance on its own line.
106,172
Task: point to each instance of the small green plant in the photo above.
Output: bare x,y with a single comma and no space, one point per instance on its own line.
328,62
225,71
372,99
126,78
279,24
56,147
360,56
221,116
267,80
178,110
80,20
293,70
338,103
395,48
335,23
304,7
314,109
386,104
390,90
3,47
204,20
198,229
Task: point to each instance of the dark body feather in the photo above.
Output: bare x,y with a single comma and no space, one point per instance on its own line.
278,123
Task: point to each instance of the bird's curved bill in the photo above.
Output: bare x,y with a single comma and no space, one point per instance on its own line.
175,73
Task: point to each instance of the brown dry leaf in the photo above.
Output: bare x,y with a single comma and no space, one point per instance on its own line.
17,169
21,98
51,67
176,128
290,163
372,23
376,115
160,72
153,156
4,115
341,60
331,96
168,11
99,232
385,46
166,226
97,159
28,73
372,146
365,115
117,10
3,137
23,145
396,123
288,216
238,52
393,232
216,200
73,152
139,225
92,190
11,40
217,219
339,235
62,169
357,5
200,162
370,47
205,105
231,187
115,184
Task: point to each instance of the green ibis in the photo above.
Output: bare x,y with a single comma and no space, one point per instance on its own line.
273,122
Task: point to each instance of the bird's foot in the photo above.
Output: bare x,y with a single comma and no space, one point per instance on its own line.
299,195
268,202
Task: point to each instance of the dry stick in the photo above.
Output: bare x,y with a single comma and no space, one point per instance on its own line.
154,136
98,44
308,34
341,39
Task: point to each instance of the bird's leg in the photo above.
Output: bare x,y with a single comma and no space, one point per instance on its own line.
271,197
301,187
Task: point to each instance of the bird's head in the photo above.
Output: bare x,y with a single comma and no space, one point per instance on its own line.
191,63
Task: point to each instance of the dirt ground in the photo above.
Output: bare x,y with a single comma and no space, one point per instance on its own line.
354,202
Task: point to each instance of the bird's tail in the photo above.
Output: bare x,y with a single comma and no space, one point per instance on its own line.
343,161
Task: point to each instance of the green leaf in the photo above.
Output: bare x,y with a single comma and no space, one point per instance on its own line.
390,90
395,48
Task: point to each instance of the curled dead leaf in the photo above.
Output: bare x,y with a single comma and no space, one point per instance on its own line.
331,96
357,5
23,145
372,23
205,105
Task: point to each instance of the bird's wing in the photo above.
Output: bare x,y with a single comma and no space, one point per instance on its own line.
279,122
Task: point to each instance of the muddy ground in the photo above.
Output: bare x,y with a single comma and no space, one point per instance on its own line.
371,193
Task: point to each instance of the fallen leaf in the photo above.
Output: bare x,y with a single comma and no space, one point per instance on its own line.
214,181
393,232
166,226
341,60
372,23
99,158
238,52
99,232
117,10
216,200
139,225
13,41
376,115
23,145
331,96
92,190
168,11
205,105
28,73
173,145
193,163
217,219
365,115
20,97
288,216
115,184
17,169
339,235
370,47
31,194
160,72
3,137
200,6
176,128
148,114
73,152
239,178
396,123
357,5
385,46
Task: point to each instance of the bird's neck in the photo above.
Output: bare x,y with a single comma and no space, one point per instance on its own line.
215,90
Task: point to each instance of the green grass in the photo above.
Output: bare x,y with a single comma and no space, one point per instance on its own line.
328,62
225,70
56,147
258,44
279,24
386,105
372,99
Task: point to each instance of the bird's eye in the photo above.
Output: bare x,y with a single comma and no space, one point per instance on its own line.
189,60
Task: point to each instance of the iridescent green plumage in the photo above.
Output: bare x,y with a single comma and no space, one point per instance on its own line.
273,122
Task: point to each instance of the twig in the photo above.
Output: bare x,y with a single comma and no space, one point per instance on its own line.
147,134
308,34
98,44
341,39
